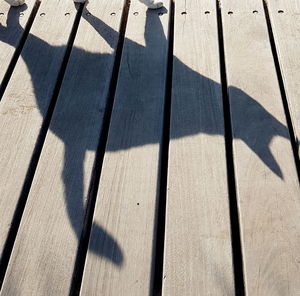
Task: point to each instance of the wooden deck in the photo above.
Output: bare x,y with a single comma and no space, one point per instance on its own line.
150,152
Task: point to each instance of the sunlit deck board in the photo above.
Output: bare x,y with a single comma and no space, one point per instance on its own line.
26,101
285,19
267,183
12,24
198,259
45,250
129,184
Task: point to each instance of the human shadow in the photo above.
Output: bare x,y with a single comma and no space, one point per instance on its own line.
254,125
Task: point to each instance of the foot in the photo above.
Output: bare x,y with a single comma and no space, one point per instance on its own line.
15,2
153,4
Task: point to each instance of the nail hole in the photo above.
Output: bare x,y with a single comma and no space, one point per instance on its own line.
138,203
255,11
280,11
184,13
88,13
230,12
113,13
136,13
207,12
67,13
42,14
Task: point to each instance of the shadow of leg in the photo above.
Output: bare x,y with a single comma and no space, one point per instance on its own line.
102,243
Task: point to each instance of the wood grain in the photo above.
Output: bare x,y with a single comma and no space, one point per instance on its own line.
13,21
26,101
285,19
45,250
266,177
198,259
129,185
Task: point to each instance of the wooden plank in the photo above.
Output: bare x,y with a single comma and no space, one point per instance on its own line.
26,101
267,182
12,25
45,250
285,19
44,255
129,186
198,259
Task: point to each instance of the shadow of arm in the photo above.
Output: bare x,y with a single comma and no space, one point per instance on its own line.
104,30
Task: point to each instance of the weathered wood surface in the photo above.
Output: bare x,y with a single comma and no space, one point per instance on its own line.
285,19
45,250
129,185
12,24
26,101
267,183
121,252
198,259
